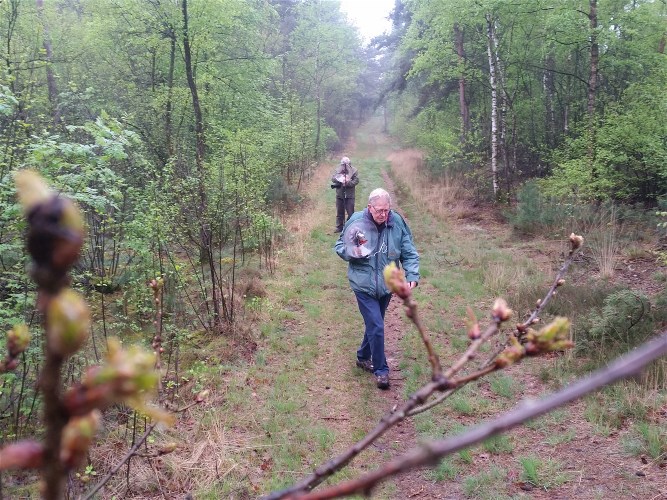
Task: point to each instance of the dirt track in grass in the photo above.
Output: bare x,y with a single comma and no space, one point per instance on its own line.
575,459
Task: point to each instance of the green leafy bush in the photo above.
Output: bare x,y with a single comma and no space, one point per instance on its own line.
624,321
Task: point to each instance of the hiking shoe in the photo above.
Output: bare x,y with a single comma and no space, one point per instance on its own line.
365,365
382,381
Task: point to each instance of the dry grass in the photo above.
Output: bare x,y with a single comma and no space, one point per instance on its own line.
207,454
501,279
604,243
441,198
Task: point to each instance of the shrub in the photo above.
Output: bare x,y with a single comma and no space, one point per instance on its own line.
531,212
623,323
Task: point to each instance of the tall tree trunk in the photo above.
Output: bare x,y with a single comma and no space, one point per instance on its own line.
463,105
592,85
170,94
48,50
12,19
502,107
318,126
494,107
205,231
549,99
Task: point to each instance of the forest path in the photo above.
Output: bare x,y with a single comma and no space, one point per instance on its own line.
316,403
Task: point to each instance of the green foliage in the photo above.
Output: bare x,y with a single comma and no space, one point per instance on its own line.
536,213
545,126
446,470
499,444
542,473
504,385
7,101
630,154
647,438
624,321
484,484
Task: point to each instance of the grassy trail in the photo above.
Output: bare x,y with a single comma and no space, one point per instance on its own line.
303,400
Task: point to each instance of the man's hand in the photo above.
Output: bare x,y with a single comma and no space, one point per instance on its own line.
413,284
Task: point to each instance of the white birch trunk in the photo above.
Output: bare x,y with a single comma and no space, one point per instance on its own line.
494,106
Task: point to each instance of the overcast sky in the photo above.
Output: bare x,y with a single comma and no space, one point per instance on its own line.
370,16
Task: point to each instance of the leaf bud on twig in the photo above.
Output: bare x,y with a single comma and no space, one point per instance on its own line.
553,337
395,280
500,311
31,189
77,436
473,325
127,376
576,241
511,354
18,339
67,322
22,455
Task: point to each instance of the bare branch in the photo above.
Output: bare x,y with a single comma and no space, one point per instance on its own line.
123,461
626,366
534,316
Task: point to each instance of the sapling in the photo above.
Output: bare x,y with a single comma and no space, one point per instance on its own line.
71,419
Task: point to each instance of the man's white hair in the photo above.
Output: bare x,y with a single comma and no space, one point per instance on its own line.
345,160
377,194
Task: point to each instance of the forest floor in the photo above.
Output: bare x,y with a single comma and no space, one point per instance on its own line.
296,399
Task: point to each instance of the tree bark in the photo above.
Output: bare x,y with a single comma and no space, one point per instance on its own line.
48,50
170,91
503,105
206,252
494,106
463,105
549,98
592,85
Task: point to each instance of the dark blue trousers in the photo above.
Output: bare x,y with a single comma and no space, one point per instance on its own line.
372,346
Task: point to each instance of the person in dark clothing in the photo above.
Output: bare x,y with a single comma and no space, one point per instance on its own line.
366,278
343,180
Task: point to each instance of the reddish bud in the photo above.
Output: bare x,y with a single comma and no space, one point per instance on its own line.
22,455
77,436
576,241
202,396
500,311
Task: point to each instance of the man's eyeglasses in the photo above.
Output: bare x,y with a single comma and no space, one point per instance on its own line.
380,212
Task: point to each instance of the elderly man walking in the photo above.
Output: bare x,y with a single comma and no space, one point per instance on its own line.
344,179
394,244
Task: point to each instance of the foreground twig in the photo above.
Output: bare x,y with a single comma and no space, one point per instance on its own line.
626,366
72,417
576,242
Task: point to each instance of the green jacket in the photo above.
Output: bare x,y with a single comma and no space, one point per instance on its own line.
394,244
